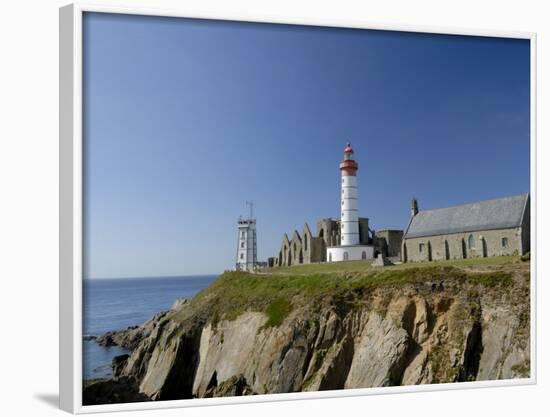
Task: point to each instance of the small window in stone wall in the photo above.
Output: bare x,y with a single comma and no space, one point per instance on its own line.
420,247
242,244
504,242
242,255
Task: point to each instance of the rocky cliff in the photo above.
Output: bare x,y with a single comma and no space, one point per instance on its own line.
302,330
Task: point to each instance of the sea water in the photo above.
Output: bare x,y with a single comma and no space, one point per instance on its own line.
114,304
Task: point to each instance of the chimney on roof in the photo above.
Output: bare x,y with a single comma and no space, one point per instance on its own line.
414,207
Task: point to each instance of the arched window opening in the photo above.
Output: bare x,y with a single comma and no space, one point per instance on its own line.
346,256
301,257
305,242
330,257
446,251
364,255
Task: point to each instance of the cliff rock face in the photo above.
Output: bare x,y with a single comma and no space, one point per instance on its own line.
434,328
116,390
131,336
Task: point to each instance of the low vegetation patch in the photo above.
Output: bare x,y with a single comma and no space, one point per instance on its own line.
523,369
277,312
277,293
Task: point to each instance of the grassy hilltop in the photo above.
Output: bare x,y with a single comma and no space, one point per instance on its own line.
276,291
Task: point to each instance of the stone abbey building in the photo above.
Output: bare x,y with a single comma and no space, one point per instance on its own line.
487,228
306,248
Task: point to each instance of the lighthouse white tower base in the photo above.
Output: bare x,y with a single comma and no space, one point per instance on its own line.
350,253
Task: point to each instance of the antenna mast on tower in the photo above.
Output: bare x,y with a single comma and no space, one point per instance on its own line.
251,204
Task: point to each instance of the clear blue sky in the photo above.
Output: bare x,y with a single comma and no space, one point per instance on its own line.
185,120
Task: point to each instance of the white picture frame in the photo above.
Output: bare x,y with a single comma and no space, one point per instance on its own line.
71,189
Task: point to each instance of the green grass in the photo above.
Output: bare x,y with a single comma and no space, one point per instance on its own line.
345,284
277,311
365,266
350,266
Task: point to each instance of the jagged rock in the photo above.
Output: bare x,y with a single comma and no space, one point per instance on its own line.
112,391
421,321
130,337
234,386
171,360
107,339
180,302
379,354
500,353
229,349
118,364
417,371
329,368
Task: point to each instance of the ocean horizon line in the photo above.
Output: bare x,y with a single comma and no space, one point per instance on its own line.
152,277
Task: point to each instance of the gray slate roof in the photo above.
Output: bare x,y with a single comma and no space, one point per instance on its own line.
501,213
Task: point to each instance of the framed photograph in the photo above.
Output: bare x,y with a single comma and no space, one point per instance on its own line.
257,209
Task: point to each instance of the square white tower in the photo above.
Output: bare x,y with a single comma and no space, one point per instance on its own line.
246,245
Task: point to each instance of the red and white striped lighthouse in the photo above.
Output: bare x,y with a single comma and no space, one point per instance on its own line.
350,248
349,220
